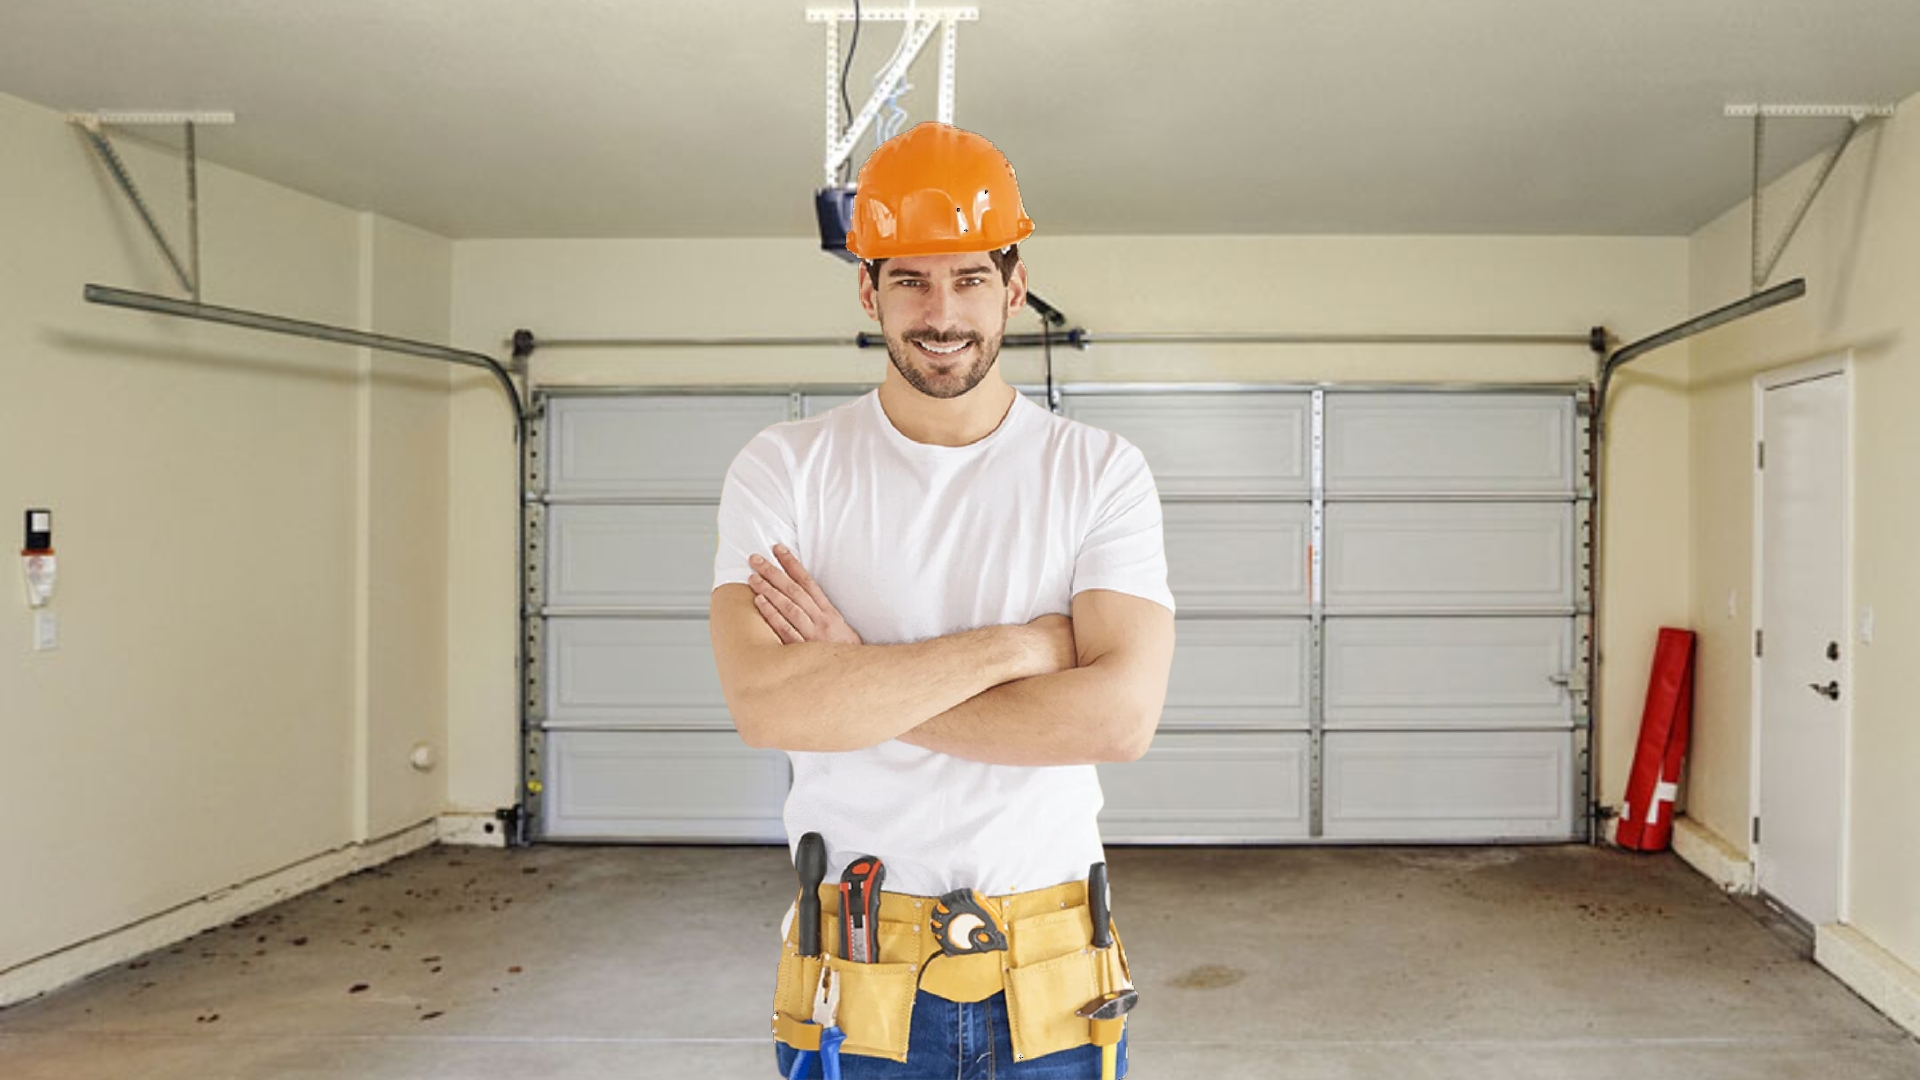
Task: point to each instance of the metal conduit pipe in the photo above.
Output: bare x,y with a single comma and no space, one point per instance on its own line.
514,819
279,324
1739,309
1596,434
524,342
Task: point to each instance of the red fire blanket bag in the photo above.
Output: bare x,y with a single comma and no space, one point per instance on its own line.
1646,821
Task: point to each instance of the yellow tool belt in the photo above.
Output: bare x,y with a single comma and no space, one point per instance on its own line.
1049,970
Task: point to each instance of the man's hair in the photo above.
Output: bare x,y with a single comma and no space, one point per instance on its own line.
1005,259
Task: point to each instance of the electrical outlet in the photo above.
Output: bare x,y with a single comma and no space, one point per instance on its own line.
46,631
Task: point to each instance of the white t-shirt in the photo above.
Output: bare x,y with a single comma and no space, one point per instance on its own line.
912,541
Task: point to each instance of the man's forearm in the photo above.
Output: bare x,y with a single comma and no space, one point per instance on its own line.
1073,717
820,696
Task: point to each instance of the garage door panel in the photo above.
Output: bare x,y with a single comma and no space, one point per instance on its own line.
1209,788
633,673
664,785
1237,557
1239,673
1400,557
1450,566
1210,444
631,556
1484,672
1448,785
669,446
1460,444
815,404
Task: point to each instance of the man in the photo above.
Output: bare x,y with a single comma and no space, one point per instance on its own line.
946,604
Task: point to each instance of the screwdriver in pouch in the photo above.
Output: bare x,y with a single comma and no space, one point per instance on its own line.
860,910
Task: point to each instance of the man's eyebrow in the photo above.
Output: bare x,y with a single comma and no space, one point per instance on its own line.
965,271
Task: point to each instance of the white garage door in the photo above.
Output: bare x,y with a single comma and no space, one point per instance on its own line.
1381,627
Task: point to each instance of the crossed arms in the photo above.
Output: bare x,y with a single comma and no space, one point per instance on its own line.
1055,691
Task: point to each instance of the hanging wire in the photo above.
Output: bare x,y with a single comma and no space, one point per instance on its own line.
1046,345
895,119
847,166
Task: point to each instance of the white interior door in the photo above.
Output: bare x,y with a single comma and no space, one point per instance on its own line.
1803,653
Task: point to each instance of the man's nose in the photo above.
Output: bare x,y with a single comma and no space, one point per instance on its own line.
942,311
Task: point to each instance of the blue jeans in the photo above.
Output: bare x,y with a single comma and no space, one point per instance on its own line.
951,1041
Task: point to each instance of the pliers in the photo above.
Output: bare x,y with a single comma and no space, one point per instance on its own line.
826,1010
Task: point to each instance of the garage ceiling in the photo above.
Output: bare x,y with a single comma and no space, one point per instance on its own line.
601,118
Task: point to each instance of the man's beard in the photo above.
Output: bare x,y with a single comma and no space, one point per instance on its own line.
950,385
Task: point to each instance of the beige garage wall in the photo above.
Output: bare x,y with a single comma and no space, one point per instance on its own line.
237,670
1860,253
788,287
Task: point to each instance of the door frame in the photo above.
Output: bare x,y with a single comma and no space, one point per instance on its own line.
1841,365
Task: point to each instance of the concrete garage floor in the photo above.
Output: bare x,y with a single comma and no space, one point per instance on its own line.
640,962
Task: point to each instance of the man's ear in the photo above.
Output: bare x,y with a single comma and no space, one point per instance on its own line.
868,298
1017,288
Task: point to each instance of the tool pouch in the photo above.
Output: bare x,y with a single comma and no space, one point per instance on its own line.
876,1000
1049,970
1053,971
793,994
876,1007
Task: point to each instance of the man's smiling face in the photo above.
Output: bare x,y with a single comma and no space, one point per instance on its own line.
943,316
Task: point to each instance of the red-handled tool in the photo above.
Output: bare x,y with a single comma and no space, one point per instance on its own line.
860,910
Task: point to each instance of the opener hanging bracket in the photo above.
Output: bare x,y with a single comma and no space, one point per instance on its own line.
1854,115
920,23
94,126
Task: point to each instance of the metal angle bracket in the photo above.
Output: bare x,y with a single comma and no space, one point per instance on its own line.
533,624
1854,115
1583,686
94,125
1317,618
919,26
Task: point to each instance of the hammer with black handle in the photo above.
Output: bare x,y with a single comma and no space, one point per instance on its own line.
1107,1012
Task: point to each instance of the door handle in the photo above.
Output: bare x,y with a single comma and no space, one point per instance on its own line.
1830,691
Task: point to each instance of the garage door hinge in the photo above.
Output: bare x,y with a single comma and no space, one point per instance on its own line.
1759,641
1760,455
1756,830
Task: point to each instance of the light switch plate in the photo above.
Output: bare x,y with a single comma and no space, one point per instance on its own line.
46,631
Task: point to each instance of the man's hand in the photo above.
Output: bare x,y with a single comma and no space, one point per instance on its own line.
1101,705
793,604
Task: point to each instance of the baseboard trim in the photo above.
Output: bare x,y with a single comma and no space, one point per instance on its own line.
75,962
473,828
1875,974
1700,848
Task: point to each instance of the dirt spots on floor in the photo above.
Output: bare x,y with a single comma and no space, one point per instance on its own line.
1209,977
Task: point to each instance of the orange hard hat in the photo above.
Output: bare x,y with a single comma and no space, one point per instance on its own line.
932,190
